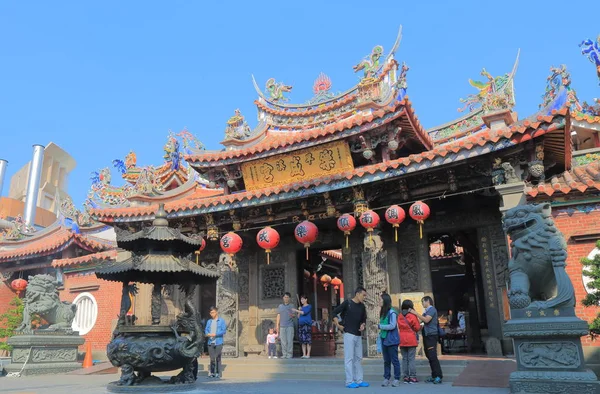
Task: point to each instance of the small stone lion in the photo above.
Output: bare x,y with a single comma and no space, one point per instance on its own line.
41,298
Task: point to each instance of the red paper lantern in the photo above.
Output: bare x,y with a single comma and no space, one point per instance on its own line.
268,238
325,280
19,285
346,223
394,216
306,233
369,220
200,249
419,211
336,282
231,243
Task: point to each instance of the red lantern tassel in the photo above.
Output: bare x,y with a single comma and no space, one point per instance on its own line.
306,253
346,240
268,254
421,229
396,233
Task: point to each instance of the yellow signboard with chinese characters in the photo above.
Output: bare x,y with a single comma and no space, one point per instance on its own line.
305,164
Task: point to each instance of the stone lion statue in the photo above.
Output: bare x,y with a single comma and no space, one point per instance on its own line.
538,278
41,298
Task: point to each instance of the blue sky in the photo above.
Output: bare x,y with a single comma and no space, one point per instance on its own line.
101,79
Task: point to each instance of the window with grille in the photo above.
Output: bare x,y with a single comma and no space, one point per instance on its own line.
87,312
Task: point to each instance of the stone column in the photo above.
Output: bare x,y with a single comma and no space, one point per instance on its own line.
227,302
391,248
253,346
375,277
512,195
492,307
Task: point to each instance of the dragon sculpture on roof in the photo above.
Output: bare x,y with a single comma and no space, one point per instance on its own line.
16,229
559,93
277,89
591,49
370,64
493,94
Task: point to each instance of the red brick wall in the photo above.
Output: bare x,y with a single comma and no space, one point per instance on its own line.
108,298
580,223
6,296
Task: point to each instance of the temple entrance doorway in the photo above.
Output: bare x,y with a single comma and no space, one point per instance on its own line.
321,280
458,290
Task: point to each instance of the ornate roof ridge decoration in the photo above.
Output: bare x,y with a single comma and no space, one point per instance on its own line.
237,128
496,94
591,50
559,93
15,229
379,70
322,90
147,181
590,113
71,216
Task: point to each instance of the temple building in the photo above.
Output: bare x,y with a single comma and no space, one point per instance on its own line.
356,152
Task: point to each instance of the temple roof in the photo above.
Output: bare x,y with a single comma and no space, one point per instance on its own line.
107,255
276,142
579,179
485,141
49,241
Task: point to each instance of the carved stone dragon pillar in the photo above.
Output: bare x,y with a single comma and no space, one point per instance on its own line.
375,277
228,303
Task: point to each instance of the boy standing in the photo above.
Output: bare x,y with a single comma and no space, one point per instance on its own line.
430,338
354,319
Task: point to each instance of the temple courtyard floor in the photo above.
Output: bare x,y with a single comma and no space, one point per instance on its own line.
96,384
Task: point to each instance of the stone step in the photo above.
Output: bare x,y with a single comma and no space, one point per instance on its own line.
317,369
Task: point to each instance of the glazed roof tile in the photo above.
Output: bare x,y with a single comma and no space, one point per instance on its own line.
53,241
99,256
516,133
578,179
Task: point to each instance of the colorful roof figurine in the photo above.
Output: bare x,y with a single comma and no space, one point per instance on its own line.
591,49
494,94
149,181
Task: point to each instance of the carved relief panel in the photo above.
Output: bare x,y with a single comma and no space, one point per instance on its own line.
375,278
228,303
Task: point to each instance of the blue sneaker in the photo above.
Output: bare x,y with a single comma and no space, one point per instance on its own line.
437,380
363,384
352,386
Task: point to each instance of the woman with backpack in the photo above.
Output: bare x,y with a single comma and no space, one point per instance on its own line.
388,334
409,326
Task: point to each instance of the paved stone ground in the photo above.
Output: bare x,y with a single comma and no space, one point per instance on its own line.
95,384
